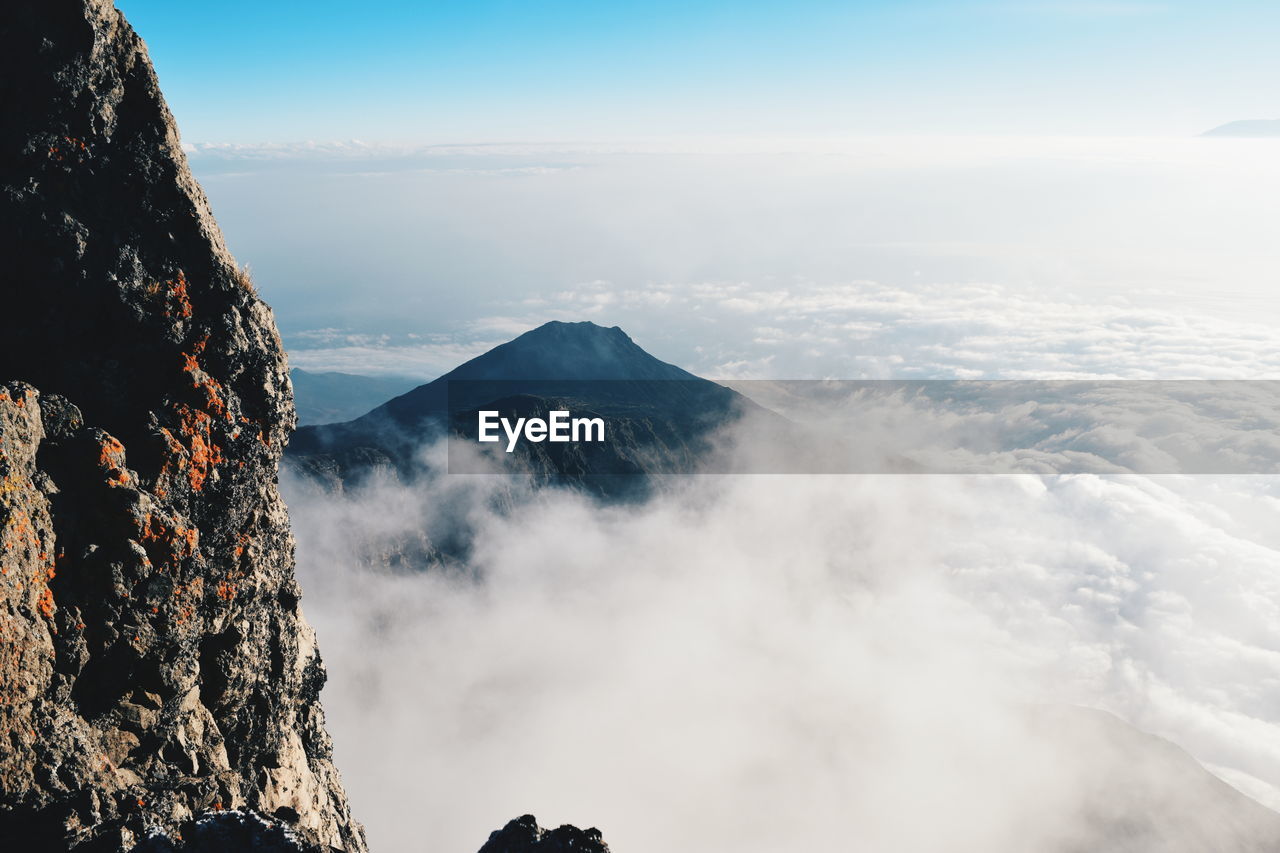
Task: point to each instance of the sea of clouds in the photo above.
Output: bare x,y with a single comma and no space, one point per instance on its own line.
765,663
759,663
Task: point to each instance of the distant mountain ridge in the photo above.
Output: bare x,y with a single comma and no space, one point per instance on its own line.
1247,128
330,397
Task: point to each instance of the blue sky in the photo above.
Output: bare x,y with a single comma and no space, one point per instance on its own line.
488,70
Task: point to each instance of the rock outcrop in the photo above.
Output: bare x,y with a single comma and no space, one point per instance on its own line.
154,663
523,835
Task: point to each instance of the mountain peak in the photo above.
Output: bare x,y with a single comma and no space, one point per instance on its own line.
663,413
575,327
562,332
561,350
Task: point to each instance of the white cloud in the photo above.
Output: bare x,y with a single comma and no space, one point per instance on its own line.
764,663
422,361
864,330
780,664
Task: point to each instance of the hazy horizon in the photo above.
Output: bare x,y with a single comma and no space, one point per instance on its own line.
800,258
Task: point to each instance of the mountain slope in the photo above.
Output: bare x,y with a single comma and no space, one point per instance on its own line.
1247,128
157,665
660,416
554,352
1145,794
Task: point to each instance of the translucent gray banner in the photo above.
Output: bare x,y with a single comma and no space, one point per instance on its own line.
608,428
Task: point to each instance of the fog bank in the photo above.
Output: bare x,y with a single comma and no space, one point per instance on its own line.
766,663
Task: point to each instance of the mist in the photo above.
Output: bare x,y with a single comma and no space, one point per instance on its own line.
762,663
771,258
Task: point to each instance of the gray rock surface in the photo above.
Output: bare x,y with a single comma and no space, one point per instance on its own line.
219,832
154,662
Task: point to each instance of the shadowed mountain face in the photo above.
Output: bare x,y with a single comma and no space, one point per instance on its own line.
660,418
1144,794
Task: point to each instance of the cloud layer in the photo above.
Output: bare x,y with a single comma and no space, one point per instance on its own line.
774,663
862,330
764,663
836,257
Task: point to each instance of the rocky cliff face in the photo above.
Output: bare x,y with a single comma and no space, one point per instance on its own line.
154,663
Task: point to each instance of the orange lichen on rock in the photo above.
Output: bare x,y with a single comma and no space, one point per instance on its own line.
46,572
176,457
9,483
195,587
18,531
185,613
45,603
202,381
20,402
166,543
263,438
174,294
226,590
112,453
202,454
70,146
178,294
182,539
111,459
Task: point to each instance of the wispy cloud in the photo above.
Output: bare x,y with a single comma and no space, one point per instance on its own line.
858,330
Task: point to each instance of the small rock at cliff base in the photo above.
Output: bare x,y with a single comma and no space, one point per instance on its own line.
523,835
